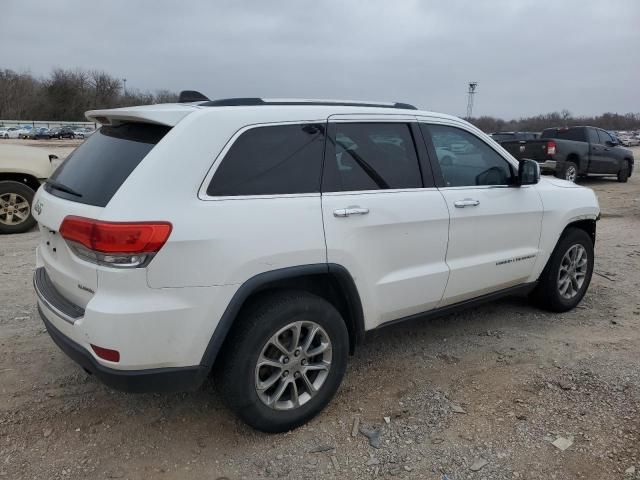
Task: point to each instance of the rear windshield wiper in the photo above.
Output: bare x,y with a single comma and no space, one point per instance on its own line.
62,187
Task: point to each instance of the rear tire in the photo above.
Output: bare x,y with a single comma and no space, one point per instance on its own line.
568,172
623,174
305,380
565,280
16,201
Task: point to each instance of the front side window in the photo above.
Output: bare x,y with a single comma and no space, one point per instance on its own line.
370,156
466,160
604,137
272,160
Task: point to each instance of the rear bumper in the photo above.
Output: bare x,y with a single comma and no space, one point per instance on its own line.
136,381
548,166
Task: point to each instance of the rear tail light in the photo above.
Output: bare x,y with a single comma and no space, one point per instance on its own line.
115,244
551,147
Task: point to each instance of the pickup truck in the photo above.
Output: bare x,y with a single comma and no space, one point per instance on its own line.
576,151
22,170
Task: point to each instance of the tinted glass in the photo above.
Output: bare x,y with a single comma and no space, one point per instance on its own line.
370,156
575,134
270,161
604,137
98,167
466,160
593,135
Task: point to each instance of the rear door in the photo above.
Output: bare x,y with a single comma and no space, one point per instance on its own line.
82,186
384,220
494,229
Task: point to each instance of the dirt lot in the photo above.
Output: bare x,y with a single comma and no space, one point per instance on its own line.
479,395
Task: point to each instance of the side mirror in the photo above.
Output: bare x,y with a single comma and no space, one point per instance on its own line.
611,143
528,172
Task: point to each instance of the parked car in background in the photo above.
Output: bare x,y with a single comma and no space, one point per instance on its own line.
3,130
82,132
62,132
140,278
24,131
11,132
570,152
22,170
510,136
40,133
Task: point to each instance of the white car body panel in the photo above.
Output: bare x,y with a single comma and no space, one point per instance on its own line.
413,252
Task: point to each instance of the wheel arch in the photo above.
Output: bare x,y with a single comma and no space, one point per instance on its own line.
329,281
29,180
575,158
588,225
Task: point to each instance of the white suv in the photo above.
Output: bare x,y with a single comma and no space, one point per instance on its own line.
265,237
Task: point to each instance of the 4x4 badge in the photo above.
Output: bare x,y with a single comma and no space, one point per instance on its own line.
38,207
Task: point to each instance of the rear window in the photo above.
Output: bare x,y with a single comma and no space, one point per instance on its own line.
99,167
575,134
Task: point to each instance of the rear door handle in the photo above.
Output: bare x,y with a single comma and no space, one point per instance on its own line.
467,202
346,212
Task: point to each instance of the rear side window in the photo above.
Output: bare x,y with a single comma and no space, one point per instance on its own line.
274,160
99,167
575,134
370,156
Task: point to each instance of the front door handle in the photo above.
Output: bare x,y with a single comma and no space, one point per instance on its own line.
346,212
467,202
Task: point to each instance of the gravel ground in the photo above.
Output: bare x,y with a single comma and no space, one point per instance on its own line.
479,395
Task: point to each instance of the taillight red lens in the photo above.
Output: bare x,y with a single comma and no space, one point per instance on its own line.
116,237
551,147
106,353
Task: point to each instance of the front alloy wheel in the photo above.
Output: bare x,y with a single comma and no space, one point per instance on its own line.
572,272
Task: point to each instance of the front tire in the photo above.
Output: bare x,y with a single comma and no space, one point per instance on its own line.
16,200
566,277
283,361
623,174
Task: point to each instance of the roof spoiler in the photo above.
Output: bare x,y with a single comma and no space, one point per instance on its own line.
187,96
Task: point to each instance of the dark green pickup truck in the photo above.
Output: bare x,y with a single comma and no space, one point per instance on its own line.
576,151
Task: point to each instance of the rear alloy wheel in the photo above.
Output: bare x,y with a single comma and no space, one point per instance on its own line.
15,207
283,361
623,174
569,172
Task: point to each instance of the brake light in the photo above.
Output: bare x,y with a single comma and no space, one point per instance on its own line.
551,147
118,244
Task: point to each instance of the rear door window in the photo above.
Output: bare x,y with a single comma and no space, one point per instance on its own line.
272,160
370,156
98,168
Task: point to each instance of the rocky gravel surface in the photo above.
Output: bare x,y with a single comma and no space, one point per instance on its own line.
503,391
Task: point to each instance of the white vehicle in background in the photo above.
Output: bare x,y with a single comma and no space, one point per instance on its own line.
22,171
260,239
25,131
11,132
83,132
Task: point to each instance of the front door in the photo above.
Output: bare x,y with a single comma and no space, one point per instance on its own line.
383,218
495,227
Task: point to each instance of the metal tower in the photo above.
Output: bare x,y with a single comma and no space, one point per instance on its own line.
470,94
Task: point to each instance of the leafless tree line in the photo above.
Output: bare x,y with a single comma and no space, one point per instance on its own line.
67,94
608,121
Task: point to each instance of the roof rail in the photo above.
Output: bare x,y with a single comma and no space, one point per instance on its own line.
255,101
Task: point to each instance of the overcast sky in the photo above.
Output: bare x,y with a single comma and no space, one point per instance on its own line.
528,56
